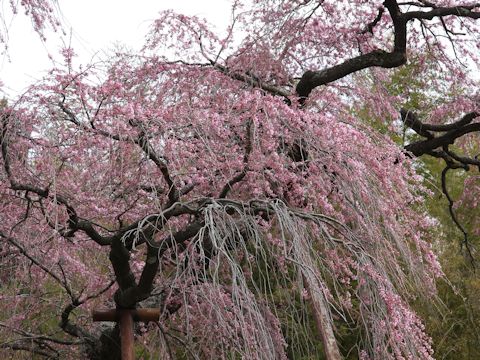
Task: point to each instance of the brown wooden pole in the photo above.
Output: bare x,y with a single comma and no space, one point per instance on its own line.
125,319
126,335
320,311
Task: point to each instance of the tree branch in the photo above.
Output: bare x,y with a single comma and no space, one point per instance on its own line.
31,348
461,11
74,223
75,330
38,263
371,25
422,147
250,80
173,194
465,241
411,120
379,58
248,149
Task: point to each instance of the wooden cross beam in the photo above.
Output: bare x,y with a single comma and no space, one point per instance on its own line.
125,319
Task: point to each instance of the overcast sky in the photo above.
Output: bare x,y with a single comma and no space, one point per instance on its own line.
92,26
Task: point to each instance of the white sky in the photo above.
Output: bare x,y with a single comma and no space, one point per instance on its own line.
92,26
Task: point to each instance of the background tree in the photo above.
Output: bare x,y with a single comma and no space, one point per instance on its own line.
226,180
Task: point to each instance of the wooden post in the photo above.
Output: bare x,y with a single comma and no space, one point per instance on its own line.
126,335
125,319
320,310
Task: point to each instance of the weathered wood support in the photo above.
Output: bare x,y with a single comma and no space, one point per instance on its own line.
125,319
321,313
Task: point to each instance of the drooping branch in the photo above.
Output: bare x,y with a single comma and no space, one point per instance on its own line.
451,204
